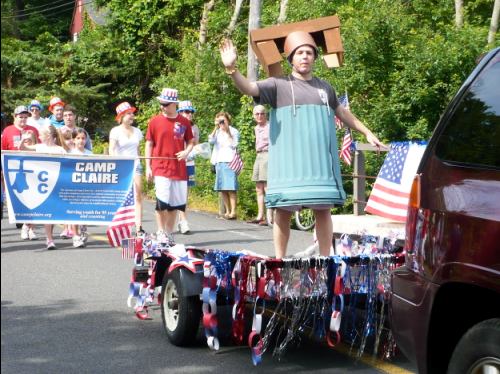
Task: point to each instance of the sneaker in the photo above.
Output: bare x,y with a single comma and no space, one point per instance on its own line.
70,234
24,232
170,240
50,245
78,242
84,237
184,227
83,233
64,234
31,234
161,237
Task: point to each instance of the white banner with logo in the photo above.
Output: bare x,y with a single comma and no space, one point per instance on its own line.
65,189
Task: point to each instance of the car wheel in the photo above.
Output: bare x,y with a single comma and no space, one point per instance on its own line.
180,314
478,351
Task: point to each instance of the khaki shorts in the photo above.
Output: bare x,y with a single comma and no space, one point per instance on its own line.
260,167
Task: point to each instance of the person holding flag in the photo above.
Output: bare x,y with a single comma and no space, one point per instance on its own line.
304,168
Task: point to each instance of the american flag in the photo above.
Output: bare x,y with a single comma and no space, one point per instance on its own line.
345,151
390,194
119,228
128,248
344,101
236,164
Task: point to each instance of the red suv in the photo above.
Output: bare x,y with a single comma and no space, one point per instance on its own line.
445,302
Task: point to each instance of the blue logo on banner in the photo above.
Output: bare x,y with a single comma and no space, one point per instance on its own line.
32,181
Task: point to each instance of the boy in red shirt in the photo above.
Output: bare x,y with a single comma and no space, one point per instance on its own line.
169,140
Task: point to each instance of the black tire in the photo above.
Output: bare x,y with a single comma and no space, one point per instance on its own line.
478,350
180,314
304,219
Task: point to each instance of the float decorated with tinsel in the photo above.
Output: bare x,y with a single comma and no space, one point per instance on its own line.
273,303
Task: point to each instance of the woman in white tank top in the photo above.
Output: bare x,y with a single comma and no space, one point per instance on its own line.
124,140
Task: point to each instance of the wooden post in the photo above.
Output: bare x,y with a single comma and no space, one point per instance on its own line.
359,183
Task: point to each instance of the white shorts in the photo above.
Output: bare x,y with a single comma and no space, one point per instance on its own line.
171,192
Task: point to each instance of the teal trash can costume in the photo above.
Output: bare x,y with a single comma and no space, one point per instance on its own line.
304,167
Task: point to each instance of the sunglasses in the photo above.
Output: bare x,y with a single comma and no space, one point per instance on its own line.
165,104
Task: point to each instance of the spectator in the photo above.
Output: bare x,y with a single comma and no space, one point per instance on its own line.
304,168
51,142
187,110
169,140
225,139
56,107
36,120
11,140
124,140
259,175
69,119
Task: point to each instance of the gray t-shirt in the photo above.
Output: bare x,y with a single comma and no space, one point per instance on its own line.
278,92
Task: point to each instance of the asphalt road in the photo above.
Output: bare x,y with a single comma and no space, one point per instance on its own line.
65,311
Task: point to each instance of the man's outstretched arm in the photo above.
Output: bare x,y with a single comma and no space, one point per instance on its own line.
229,56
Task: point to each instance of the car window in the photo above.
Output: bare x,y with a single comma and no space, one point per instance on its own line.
472,135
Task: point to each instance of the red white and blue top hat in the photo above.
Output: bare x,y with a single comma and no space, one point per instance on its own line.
123,108
185,106
168,95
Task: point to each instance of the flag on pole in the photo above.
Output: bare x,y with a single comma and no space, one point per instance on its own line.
123,219
391,192
345,151
344,101
128,248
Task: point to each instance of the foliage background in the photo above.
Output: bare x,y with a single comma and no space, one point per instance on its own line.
403,62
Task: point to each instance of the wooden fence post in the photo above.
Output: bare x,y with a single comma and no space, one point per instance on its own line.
359,183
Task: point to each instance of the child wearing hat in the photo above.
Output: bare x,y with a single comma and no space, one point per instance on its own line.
169,140
36,120
187,110
56,107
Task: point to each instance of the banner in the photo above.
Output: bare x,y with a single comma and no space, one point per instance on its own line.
65,189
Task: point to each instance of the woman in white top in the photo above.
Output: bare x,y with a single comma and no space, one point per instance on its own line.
124,140
225,139
50,142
